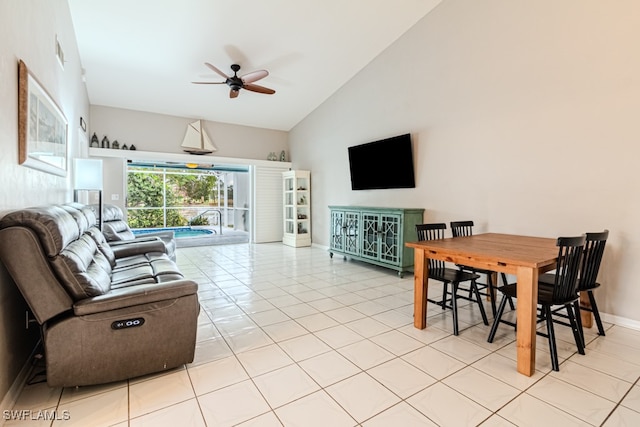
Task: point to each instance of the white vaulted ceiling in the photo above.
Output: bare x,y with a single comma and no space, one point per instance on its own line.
143,54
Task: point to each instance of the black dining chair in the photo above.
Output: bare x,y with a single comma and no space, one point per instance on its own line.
563,292
587,279
465,228
438,271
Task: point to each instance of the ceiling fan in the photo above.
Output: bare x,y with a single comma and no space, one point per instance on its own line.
243,82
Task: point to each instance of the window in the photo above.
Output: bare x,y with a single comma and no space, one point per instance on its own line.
167,196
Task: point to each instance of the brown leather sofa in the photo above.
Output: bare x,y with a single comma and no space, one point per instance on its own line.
117,231
105,315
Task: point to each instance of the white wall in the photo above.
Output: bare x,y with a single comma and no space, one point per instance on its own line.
524,119
163,133
28,30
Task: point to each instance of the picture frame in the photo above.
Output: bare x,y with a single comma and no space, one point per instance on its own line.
42,127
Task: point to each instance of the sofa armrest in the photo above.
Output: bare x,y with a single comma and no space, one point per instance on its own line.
126,248
135,295
166,235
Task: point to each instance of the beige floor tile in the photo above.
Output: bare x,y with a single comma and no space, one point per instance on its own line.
572,400
401,377
299,310
505,370
104,409
632,400
316,322
284,330
317,409
221,408
265,420
446,407
285,385
433,362
397,342
160,392
481,388
426,336
264,359
623,417
365,354
269,317
338,336
304,347
329,368
217,374
595,382
362,396
609,364
399,415
367,327
527,411
185,414
460,349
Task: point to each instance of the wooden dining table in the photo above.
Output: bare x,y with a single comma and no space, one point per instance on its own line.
523,256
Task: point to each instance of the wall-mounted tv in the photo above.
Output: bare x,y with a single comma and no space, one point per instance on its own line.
387,163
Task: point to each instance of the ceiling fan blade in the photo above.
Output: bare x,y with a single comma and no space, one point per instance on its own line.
208,83
216,70
233,93
254,76
259,89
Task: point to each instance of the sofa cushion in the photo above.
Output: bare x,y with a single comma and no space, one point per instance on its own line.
84,216
142,273
103,246
117,230
83,270
114,227
54,226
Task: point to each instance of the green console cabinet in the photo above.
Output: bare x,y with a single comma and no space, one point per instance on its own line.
375,235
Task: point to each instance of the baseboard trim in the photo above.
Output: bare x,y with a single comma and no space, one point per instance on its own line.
620,321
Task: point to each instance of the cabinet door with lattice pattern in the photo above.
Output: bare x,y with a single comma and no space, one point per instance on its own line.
351,237
389,232
337,231
370,239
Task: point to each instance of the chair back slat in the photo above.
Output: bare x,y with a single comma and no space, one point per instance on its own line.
461,228
433,231
570,251
593,250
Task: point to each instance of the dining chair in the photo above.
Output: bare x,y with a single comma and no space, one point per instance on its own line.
463,229
438,271
563,292
587,279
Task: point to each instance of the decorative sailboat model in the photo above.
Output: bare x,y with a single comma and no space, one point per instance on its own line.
196,140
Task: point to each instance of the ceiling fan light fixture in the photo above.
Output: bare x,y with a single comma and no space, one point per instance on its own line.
236,82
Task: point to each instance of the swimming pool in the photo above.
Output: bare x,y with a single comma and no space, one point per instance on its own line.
180,232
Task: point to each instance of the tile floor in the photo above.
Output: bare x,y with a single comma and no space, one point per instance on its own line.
291,337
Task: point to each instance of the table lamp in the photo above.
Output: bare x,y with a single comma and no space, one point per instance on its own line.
87,176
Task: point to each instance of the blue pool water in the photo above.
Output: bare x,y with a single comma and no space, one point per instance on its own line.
180,232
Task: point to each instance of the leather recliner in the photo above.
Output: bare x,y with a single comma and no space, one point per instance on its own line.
104,316
116,230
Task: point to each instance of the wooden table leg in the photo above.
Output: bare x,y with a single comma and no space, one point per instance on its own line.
420,280
494,279
586,316
526,319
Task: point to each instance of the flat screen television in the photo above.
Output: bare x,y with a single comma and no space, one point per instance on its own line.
387,163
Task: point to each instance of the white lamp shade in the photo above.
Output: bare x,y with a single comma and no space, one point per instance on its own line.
87,174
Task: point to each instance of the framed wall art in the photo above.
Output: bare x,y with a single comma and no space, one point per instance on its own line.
42,127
